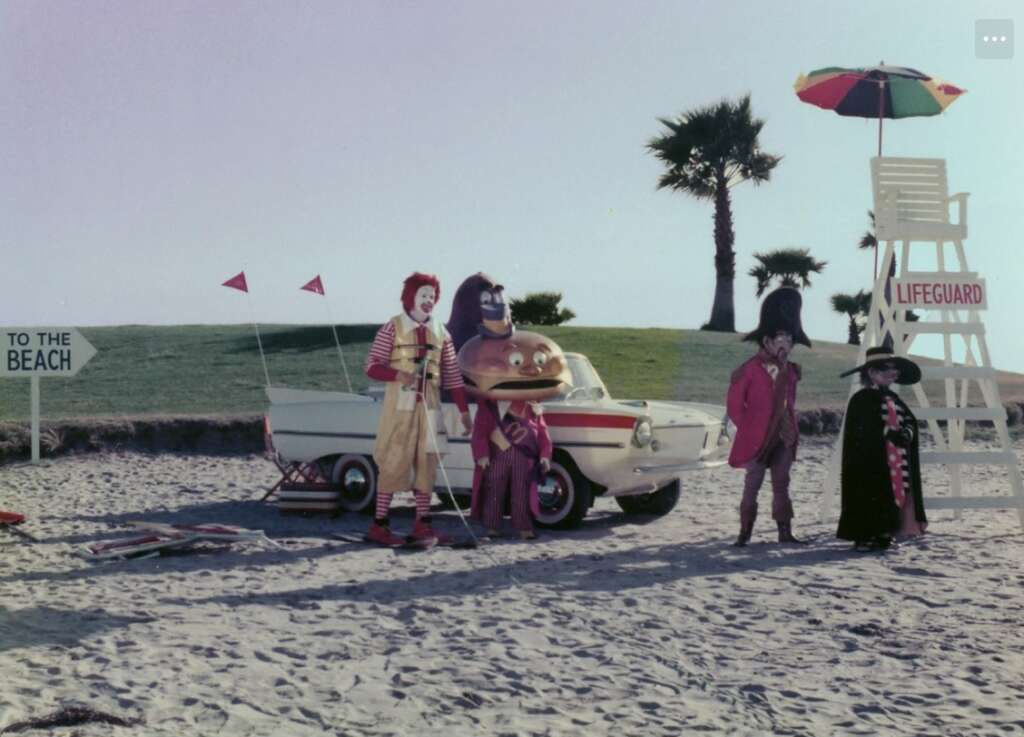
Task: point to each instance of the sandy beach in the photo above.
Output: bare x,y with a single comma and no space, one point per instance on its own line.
625,626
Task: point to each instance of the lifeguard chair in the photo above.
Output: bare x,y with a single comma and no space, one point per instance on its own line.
912,206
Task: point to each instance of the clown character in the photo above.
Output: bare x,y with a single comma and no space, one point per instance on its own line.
760,402
479,308
413,354
510,443
881,471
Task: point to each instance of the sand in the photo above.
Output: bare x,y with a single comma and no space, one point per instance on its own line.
624,627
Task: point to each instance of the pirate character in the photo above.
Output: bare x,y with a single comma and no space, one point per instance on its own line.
881,469
762,392
413,354
510,442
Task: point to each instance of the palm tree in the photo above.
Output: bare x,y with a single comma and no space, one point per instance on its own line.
868,240
856,307
792,267
706,152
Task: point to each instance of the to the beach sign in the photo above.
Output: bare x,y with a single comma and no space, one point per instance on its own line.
939,292
36,352
43,351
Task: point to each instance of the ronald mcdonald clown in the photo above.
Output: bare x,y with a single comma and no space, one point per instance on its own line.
413,354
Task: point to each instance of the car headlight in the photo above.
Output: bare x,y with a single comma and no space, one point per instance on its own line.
643,432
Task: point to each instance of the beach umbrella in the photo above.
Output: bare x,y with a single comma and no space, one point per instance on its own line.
876,92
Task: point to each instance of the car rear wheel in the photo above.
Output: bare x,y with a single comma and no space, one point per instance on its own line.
656,504
565,496
357,477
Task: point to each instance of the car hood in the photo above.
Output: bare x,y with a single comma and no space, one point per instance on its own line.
665,413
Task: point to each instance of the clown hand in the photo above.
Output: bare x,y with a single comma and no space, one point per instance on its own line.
545,464
483,463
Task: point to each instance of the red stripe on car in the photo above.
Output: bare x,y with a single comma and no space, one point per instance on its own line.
582,419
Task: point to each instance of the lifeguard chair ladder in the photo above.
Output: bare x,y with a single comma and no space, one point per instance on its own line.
912,205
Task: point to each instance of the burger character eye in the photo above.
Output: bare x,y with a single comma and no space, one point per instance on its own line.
540,358
485,298
516,358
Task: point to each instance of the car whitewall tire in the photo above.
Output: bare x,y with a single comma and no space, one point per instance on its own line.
358,480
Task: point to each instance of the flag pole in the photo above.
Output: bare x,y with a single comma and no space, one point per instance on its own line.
337,342
263,358
238,282
316,286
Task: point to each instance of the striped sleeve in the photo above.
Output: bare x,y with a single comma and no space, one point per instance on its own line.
378,360
451,376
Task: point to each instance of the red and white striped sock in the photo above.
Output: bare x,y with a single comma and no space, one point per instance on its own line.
422,503
383,505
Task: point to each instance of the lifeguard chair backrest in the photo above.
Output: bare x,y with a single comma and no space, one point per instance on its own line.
911,197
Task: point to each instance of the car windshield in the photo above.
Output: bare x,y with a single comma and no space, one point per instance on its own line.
586,384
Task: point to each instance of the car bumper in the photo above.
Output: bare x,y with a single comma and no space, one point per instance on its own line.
714,459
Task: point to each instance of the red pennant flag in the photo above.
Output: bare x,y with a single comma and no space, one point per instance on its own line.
237,282
314,285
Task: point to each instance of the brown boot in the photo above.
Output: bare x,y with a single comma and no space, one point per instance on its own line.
786,534
746,530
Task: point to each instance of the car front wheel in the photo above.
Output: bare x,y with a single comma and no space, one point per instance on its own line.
564,497
656,504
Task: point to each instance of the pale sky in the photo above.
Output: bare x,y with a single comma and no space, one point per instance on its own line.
151,149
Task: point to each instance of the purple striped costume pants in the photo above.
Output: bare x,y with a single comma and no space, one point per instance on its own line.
509,473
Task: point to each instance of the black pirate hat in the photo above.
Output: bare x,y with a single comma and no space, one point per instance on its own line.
880,356
780,311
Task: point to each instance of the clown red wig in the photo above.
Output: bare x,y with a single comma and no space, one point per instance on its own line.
412,284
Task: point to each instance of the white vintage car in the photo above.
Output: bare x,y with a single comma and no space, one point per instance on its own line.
632,450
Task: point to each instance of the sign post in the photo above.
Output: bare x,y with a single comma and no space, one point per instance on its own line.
38,352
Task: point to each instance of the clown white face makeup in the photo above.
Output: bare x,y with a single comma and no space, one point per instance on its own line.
423,303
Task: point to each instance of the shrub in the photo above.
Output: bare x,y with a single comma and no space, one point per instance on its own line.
540,308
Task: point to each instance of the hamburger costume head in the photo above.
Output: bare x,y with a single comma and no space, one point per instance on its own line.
524,366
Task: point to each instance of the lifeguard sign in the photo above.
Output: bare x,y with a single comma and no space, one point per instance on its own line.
36,352
939,292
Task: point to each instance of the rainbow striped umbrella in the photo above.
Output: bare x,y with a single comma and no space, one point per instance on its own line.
876,92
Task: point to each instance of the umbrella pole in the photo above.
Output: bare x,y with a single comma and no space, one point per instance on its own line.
881,107
881,110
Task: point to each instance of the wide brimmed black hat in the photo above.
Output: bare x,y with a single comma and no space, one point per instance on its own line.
780,311
910,372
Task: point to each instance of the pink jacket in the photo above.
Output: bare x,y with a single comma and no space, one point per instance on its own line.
749,405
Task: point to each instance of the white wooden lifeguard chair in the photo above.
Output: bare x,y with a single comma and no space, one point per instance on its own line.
912,205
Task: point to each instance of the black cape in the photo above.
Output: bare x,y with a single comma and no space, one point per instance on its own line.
868,505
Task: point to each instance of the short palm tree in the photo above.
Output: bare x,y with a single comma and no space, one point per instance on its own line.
706,152
855,307
869,241
791,266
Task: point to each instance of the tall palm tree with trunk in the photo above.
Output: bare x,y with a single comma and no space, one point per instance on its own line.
855,307
706,152
791,266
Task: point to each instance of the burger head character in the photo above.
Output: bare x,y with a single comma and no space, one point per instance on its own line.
523,366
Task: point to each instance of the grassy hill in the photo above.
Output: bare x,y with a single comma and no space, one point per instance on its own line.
215,370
